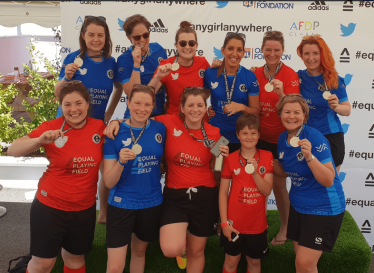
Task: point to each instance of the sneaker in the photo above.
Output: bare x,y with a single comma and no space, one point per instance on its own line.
182,260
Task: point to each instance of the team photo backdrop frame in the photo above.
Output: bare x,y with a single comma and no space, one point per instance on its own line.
344,25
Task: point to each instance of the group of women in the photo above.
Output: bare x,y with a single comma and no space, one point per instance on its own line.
147,143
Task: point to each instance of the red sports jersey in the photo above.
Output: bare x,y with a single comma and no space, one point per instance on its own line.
70,181
246,204
176,81
271,125
188,160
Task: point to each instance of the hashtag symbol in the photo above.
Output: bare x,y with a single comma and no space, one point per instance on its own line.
358,54
351,153
361,4
118,47
348,201
354,104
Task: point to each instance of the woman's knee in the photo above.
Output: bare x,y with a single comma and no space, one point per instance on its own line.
41,264
172,250
305,264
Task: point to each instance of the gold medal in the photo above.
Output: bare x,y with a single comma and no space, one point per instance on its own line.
137,149
269,87
249,168
175,66
78,61
295,141
326,95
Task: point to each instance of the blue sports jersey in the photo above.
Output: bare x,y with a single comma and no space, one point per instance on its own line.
139,186
307,195
97,77
321,116
147,69
246,84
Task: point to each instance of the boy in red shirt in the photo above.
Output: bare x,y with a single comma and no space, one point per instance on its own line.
243,212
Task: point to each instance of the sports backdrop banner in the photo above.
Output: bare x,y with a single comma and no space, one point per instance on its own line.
346,26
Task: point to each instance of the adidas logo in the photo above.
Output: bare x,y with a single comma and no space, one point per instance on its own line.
318,5
158,26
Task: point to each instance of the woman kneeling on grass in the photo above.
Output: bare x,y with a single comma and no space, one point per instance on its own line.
132,173
316,195
63,214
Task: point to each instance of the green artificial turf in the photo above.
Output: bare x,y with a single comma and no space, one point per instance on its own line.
351,254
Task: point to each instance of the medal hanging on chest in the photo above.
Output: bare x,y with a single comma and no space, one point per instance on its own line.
143,60
323,88
249,168
294,141
229,92
136,148
269,87
60,141
207,142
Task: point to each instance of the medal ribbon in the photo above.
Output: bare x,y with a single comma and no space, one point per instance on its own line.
299,131
96,56
241,162
145,56
207,142
135,141
231,91
275,73
63,125
320,86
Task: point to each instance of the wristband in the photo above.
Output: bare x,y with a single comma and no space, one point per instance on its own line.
115,120
225,224
136,68
123,164
66,79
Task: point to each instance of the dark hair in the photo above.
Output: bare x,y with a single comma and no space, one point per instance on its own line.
248,120
107,49
73,86
185,27
291,98
227,39
134,20
272,38
137,88
191,91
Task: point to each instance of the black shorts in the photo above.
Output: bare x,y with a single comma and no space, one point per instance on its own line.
233,147
200,212
51,229
121,223
317,232
255,246
268,146
337,147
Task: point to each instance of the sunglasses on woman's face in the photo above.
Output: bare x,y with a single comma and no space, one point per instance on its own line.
183,43
90,18
144,35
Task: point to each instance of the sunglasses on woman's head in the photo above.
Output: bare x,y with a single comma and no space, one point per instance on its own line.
90,18
194,87
234,34
144,35
275,33
183,43
315,37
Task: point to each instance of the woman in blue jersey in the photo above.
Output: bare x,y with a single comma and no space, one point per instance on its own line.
316,195
233,88
325,93
138,64
93,65
132,173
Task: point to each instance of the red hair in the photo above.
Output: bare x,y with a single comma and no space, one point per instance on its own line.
327,61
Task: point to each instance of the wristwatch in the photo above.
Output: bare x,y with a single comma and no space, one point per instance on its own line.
310,159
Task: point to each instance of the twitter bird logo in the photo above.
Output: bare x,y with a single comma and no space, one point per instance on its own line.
345,127
126,142
174,76
237,171
221,4
120,23
217,53
347,30
177,133
347,79
214,85
342,176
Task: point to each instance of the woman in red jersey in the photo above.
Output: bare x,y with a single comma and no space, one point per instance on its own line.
275,81
63,214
